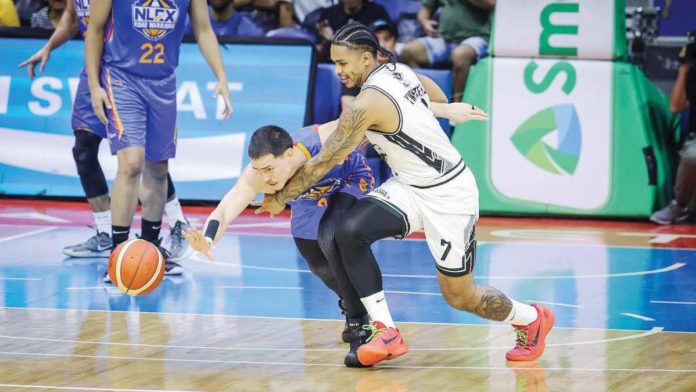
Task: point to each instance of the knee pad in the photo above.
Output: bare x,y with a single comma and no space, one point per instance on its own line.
86,152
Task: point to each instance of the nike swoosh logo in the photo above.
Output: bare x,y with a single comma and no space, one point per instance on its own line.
101,249
380,300
156,227
538,332
119,232
387,341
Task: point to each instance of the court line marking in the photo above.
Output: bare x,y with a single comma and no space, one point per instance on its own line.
482,242
304,364
653,331
28,386
342,320
674,302
675,266
27,234
5,278
638,316
552,303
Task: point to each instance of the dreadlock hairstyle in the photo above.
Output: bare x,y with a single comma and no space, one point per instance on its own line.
356,35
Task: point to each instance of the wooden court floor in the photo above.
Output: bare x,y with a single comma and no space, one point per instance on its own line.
256,320
75,349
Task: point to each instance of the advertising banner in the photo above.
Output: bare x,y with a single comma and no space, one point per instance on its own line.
582,29
269,84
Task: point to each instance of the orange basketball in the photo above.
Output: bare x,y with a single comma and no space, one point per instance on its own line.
136,267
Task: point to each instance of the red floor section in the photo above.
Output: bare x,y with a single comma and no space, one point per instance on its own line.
615,233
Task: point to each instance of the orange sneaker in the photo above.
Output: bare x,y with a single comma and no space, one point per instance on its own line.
383,344
531,339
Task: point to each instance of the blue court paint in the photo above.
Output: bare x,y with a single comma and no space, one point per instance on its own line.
568,274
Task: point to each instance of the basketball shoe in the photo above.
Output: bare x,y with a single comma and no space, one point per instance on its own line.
358,332
384,343
531,339
99,245
179,248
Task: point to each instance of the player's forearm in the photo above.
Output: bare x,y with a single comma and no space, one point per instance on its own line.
440,110
303,179
208,45
94,47
348,135
677,98
66,29
424,15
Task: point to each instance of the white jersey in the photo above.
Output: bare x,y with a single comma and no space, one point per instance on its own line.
419,153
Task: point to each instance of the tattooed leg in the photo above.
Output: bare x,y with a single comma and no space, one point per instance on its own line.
485,301
493,305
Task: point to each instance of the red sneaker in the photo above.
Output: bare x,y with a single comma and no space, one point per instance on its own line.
531,339
383,344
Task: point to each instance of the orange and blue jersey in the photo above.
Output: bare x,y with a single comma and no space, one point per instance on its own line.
143,37
353,176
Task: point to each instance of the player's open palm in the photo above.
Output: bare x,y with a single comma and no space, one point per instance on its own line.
460,112
198,242
99,101
222,90
40,57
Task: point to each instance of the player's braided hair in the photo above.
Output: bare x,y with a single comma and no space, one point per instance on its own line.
356,35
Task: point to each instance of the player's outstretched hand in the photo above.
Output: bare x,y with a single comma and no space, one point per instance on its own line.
222,90
269,204
460,112
40,57
198,242
99,101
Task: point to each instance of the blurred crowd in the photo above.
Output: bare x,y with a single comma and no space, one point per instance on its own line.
446,34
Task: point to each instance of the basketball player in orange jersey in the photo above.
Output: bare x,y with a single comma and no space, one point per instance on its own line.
131,52
431,190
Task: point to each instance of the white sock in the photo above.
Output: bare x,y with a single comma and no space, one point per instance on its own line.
103,221
376,306
173,212
521,314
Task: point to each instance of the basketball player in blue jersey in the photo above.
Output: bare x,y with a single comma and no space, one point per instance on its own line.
432,190
89,132
131,52
275,157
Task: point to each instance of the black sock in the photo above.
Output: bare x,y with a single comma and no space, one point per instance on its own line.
151,230
119,234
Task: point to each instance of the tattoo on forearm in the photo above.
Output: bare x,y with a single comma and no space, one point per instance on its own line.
350,131
494,305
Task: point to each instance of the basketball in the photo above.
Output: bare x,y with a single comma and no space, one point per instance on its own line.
136,267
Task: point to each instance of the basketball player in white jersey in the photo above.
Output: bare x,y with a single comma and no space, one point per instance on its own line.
432,190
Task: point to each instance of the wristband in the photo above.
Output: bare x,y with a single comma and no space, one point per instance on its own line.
211,230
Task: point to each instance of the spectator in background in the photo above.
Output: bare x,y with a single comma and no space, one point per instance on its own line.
387,35
683,97
302,8
48,16
27,8
8,14
458,40
268,14
227,22
339,15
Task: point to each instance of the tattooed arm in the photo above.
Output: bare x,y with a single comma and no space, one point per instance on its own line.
351,129
370,110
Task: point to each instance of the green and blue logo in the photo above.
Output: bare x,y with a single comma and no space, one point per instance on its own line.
560,121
